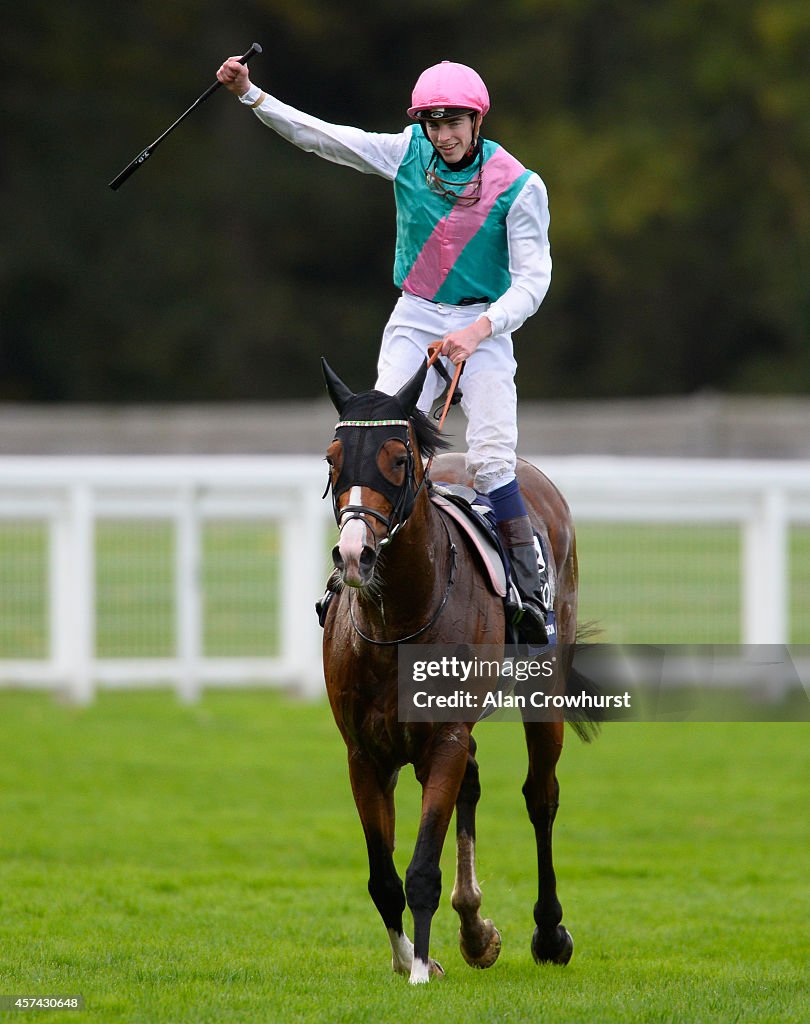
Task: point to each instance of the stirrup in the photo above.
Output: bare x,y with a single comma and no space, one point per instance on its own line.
522,614
322,604
531,626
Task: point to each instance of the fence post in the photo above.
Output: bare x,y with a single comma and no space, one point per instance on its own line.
303,576
188,603
79,594
60,594
765,571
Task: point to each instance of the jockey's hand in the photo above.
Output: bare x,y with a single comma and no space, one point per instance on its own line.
460,345
234,76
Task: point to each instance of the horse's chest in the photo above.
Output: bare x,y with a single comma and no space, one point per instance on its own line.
377,732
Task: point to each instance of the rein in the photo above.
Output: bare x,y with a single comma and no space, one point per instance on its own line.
434,350
451,579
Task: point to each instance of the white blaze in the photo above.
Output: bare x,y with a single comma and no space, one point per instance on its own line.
352,539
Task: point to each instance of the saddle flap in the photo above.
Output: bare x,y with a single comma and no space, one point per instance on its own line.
481,538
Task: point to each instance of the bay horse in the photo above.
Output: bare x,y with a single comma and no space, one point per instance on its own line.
404,573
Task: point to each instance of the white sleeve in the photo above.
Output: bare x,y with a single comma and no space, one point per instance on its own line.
370,152
529,259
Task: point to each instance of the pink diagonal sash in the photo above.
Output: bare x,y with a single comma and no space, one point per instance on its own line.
455,231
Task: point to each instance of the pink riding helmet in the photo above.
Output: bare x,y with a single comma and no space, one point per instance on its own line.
448,87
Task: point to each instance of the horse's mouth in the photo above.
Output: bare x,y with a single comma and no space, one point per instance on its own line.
363,586
366,586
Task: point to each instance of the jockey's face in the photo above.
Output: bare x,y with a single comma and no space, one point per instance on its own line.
451,136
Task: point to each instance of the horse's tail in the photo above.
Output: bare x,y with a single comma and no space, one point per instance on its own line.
585,717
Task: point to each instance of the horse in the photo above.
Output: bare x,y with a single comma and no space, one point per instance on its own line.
404,573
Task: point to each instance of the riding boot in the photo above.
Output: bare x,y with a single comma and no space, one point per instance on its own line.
530,619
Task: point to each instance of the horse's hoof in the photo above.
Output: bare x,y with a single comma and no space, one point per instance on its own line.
422,973
557,952
490,951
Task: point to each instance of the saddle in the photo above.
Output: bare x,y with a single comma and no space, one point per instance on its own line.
474,514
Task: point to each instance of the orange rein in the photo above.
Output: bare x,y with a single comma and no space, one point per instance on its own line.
433,351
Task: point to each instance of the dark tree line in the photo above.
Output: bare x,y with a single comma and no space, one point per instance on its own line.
674,139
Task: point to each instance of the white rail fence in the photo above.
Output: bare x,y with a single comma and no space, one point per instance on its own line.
70,496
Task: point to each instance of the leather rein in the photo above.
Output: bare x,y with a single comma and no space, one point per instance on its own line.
451,579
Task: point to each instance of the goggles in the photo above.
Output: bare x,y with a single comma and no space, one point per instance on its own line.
466,193
442,113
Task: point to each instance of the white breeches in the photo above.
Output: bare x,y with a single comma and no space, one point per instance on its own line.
488,383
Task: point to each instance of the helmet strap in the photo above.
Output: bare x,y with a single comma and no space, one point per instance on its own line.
469,157
477,119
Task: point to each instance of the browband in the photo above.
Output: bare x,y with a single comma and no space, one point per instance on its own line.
371,423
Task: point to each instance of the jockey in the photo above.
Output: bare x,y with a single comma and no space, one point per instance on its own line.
472,262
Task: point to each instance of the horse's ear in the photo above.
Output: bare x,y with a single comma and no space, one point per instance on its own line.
338,391
408,394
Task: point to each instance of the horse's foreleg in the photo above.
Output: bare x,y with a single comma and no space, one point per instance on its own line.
551,942
375,805
440,775
479,939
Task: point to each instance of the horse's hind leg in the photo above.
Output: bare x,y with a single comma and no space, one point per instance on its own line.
479,940
375,805
551,942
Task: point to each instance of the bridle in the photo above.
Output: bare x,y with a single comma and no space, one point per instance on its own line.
451,579
402,500
406,493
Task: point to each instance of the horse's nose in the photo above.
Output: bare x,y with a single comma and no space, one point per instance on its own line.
355,569
368,559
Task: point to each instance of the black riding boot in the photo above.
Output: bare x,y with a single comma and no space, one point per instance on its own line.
518,538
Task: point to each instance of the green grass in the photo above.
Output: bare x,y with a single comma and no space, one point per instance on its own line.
678,584
135,589
205,864
648,584
637,581
23,597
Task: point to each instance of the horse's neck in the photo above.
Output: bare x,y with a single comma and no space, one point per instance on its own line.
414,563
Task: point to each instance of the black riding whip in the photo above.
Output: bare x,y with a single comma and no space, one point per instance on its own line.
116,183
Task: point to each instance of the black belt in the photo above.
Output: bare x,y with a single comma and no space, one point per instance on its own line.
473,301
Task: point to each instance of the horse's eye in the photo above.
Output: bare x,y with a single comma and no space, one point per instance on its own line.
401,461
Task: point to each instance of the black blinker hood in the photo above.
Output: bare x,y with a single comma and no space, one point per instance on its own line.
362,444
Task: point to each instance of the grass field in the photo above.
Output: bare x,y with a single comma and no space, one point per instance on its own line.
644,584
204,864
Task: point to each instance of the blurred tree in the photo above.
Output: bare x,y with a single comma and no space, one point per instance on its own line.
673,137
